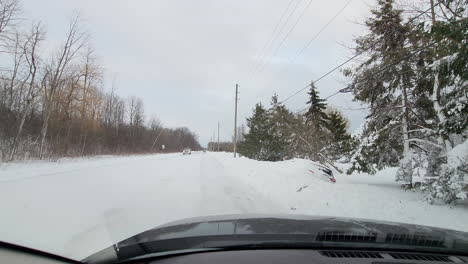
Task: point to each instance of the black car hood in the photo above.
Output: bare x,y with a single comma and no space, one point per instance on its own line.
320,232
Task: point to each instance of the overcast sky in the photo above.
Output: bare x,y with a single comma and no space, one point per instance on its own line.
184,57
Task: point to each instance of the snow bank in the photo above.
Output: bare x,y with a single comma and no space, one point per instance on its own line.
357,195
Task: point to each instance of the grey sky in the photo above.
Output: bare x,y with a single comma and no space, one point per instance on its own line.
183,58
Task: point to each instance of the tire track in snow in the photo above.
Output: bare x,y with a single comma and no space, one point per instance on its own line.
227,194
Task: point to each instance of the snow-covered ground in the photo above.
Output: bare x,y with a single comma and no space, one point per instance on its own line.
76,207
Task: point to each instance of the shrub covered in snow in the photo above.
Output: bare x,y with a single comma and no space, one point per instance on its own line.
450,181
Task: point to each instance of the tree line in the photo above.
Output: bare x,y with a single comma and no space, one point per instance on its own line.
413,78
277,133
53,104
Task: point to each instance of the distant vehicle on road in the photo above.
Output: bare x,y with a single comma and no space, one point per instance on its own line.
187,151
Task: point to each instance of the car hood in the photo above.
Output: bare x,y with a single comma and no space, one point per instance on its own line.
316,231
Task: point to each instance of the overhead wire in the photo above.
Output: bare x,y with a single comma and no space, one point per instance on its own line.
272,34
320,78
387,66
291,29
322,29
347,61
260,61
308,44
335,68
380,70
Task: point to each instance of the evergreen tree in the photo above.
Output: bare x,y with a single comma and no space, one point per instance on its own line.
314,129
257,141
382,81
341,142
416,83
316,114
448,74
280,119
377,148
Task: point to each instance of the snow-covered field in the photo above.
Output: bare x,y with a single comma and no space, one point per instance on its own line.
76,207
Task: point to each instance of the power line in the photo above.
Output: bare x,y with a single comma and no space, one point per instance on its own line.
351,109
320,78
310,41
346,89
302,110
289,32
271,35
386,67
322,29
276,36
347,61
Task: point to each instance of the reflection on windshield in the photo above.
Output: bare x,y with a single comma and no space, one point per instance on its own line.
325,229
265,232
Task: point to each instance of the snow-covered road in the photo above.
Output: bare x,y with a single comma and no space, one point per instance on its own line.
76,207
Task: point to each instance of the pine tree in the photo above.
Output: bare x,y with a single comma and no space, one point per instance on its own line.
382,81
416,83
315,126
280,130
341,142
377,148
257,141
448,74
316,114
337,125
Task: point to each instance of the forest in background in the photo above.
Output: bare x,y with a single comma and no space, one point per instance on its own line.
53,104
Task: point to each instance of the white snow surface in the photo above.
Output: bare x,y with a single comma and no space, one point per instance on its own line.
76,207
458,154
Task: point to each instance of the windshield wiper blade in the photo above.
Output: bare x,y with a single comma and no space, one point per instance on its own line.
171,253
226,247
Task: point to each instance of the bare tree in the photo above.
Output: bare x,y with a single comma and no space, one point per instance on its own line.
29,50
9,10
14,77
131,108
91,76
75,41
156,129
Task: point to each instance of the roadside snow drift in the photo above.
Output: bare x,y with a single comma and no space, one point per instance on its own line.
76,207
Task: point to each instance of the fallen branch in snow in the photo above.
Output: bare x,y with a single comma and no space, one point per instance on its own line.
308,144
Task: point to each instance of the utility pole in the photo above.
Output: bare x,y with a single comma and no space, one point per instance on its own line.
433,12
218,136
235,122
213,147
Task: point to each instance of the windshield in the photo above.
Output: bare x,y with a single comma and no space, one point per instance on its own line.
119,116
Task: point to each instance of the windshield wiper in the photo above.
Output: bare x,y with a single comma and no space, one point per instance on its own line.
288,245
227,247
171,253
